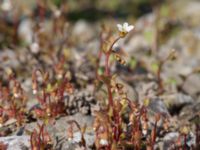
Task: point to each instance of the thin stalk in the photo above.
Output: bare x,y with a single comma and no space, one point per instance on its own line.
154,136
31,139
110,49
110,98
185,142
107,72
159,79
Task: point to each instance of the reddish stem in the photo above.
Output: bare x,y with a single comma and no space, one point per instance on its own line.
41,10
31,139
110,98
154,136
159,78
110,49
107,72
185,142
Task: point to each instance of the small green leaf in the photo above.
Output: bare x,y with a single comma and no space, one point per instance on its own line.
155,66
100,71
146,102
172,81
133,63
112,58
164,11
149,36
49,88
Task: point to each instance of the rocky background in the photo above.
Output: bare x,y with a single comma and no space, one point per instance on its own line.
31,38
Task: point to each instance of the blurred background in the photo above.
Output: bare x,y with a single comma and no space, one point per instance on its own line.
13,13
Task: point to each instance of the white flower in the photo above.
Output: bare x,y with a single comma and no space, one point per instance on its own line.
103,142
35,48
125,28
6,5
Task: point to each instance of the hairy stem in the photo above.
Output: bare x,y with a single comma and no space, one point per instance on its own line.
107,72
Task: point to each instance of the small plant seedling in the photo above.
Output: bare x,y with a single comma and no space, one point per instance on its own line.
40,139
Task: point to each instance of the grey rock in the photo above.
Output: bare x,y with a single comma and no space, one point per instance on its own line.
177,100
25,31
144,21
169,139
156,105
59,128
148,89
136,44
26,85
189,112
83,31
58,131
16,142
8,58
192,85
188,12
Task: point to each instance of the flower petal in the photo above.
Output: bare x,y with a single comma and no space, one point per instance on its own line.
129,28
125,25
119,26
